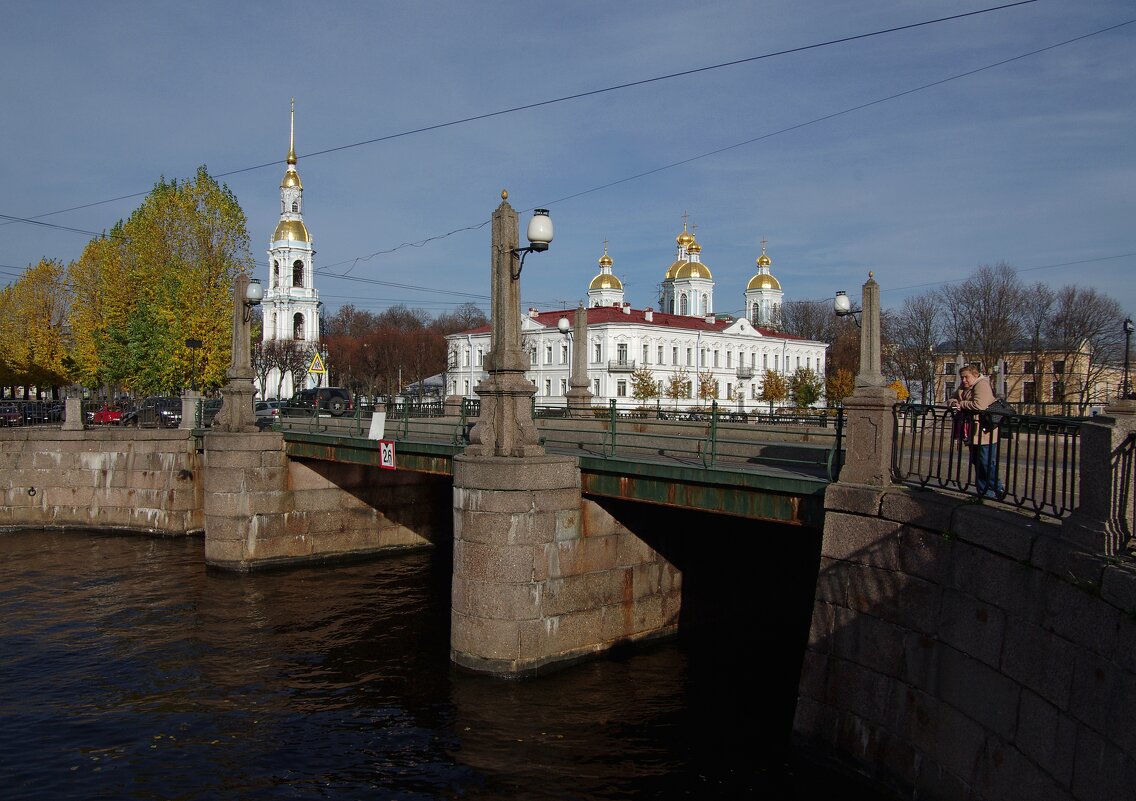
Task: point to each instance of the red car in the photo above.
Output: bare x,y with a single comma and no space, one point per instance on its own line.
108,415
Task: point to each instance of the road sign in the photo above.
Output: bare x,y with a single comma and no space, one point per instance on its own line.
386,454
317,365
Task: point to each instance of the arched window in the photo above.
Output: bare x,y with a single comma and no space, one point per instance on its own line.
704,302
298,326
682,308
297,273
275,273
753,315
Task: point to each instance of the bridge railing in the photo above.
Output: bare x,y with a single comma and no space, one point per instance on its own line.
1037,457
712,437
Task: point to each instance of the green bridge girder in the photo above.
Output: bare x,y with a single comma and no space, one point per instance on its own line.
756,494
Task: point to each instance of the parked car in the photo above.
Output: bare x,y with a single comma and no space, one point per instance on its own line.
107,415
209,411
267,412
336,400
155,413
38,412
10,415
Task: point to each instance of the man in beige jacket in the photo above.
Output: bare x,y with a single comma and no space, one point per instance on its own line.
972,397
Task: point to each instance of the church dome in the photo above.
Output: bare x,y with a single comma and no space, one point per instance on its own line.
694,246
763,260
763,281
605,281
606,260
685,238
693,269
291,179
294,230
672,271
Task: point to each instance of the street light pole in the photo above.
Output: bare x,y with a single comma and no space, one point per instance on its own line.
1127,347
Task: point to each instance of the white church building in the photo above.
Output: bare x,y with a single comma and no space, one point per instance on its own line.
684,340
291,305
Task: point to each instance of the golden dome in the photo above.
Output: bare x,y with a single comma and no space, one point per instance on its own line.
693,269
294,230
291,178
606,260
685,238
694,246
763,281
763,260
672,271
606,281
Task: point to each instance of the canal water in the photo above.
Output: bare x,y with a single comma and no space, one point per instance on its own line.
128,670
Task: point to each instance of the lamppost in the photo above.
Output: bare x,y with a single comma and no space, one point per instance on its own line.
578,398
193,345
1127,347
505,427
238,395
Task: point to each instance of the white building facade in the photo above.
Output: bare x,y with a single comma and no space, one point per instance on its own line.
735,353
291,304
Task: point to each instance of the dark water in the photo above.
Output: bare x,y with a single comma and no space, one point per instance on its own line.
130,671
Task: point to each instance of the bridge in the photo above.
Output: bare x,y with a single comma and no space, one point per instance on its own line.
774,470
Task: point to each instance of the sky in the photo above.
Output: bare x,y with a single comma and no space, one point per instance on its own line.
920,154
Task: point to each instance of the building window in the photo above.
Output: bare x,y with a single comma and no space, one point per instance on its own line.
1058,391
949,368
298,273
298,326
563,387
564,353
532,358
621,388
765,361
598,354
621,352
1028,368
547,387
776,362
465,358
753,391
480,357
674,355
596,387
1005,368
729,359
660,354
646,354
950,390
548,354
798,362
715,358
1059,368
1029,392
689,356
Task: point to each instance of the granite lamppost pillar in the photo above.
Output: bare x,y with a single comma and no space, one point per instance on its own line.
870,430
505,426
579,395
237,412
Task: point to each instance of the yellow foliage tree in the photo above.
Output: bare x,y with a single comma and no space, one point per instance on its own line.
900,388
32,347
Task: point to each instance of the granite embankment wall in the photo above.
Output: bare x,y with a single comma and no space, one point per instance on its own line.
962,652
147,480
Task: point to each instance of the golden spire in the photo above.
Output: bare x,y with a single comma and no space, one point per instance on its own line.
292,134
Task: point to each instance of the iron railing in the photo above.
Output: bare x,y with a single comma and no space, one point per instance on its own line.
1037,457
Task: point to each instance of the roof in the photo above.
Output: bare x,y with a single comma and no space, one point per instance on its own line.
611,315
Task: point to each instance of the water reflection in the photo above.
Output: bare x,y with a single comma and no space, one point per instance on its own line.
129,670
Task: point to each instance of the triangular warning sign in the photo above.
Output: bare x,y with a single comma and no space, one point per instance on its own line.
317,364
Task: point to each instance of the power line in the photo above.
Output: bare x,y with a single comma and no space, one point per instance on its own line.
562,99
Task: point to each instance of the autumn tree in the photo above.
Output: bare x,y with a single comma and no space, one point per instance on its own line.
678,385
643,385
163,276
805,387
914,333
838,386
774,388
707,386
33,349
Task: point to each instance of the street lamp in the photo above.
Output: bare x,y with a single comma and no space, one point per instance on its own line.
1127,348
254,294
843,307
193,345
539,235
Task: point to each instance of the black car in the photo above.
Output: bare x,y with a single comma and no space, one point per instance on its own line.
336,400
155,413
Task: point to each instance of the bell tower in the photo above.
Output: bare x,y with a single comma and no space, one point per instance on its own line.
291,302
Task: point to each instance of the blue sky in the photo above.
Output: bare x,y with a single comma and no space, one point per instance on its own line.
1032,162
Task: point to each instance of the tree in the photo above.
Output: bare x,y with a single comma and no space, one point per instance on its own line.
707,386
774,388
163,276
811,319
32,345
805,387
983,314
643,385
900,390
1086,328
838,386
914,332
678,385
